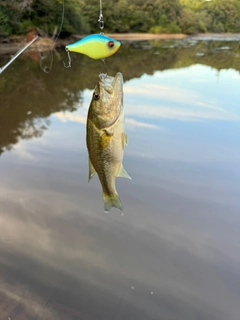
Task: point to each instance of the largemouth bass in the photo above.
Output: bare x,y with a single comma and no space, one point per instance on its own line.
106,137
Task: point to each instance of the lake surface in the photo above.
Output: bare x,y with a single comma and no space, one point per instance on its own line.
175,253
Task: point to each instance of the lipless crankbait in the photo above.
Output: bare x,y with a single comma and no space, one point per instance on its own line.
95,46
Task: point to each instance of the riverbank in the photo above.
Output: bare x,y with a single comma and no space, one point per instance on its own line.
12,45
152,36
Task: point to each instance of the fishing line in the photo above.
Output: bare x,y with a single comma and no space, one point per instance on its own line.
100,19
101,26
45,68
105,67
61,25
48,69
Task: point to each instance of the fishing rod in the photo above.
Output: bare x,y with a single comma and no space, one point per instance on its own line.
17,54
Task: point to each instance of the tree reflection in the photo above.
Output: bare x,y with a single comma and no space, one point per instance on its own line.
28,96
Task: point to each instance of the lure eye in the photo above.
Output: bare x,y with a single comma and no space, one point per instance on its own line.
111,44
95,95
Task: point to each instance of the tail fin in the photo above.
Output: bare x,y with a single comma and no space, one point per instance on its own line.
111,201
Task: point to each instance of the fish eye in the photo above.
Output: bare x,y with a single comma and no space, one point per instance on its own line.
110,44
95,95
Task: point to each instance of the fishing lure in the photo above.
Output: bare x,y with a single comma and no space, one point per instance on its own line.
95,46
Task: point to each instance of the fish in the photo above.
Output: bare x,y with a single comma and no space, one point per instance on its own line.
95,46
106,137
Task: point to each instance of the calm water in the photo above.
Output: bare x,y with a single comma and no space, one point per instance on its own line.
175,254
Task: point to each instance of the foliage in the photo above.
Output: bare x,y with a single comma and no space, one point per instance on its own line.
157,16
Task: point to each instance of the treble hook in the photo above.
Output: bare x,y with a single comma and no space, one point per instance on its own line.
69,60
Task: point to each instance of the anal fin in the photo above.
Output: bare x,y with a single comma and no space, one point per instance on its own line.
123,173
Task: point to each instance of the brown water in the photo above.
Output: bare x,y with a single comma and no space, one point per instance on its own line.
175,253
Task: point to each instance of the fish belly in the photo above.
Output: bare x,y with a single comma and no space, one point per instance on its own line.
106,154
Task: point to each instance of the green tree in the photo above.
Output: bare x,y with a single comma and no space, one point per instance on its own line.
5,28
224,15
80,16
188,22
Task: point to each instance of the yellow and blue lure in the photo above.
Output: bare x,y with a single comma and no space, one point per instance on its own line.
95,46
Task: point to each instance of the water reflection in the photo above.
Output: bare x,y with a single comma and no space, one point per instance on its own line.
179,237
24,89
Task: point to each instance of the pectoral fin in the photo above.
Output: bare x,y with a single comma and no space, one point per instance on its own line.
123,173
104,140
92,171
108,133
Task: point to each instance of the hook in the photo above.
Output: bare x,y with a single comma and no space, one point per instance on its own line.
69,60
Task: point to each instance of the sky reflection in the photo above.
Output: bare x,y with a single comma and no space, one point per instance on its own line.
179,236
189,113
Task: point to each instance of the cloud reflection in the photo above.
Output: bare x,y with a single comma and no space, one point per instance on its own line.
72,117
164,97
179,237
151,101
131,123
107,255
20,296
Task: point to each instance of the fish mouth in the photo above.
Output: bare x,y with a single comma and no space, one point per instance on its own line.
118,83
119,79
111,84
104,78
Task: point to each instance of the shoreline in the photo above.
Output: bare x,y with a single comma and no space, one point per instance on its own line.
172,36
13,45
